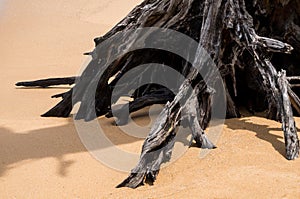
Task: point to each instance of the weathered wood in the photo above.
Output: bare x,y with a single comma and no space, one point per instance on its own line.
234,33
293,78
295,101
288,122
44,83
295,85
161,97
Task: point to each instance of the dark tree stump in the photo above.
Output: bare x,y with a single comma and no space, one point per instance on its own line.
235,34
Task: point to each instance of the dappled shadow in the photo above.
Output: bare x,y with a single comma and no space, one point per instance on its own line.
262,131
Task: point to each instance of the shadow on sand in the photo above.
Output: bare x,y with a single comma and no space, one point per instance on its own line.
262,131
54,142
57,142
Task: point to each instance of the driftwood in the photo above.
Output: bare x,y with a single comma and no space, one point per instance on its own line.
44,83
234,35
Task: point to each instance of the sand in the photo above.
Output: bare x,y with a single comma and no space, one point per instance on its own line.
44,157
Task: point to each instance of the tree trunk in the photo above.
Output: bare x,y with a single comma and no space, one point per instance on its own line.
234,34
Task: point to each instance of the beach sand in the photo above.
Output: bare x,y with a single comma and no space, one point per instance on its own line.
44,157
